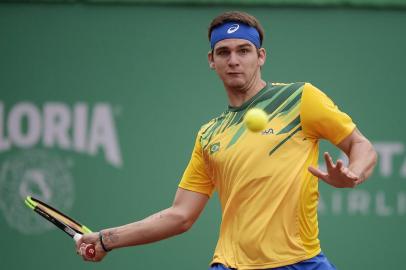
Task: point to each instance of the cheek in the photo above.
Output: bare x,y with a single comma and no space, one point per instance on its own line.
251,66
220,64
220,67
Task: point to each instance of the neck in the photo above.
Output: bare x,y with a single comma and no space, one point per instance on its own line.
237,96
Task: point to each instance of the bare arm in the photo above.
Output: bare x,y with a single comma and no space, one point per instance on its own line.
362,159
174,220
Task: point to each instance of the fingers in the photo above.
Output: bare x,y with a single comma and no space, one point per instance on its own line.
318,173
82,251
329,161
358,181
339,164
78,243
88,247
83,243
337,175
352,176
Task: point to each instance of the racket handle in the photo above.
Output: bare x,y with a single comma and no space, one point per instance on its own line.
90,250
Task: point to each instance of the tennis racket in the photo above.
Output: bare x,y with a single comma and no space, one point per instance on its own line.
71,227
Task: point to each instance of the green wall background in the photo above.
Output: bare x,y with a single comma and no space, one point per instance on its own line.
149,65
313,3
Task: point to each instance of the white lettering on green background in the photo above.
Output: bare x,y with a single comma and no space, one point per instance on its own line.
78,128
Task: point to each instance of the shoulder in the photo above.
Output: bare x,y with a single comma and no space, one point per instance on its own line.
294,84
292,90
308,90
289,84
312,94
290,87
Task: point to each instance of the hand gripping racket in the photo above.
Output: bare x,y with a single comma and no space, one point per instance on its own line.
71,227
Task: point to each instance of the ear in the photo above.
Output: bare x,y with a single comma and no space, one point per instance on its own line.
261,56
211,60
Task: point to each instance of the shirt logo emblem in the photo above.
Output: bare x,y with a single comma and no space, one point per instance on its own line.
214,148
267,131
233,28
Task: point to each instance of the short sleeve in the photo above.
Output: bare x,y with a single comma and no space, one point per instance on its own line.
195,177
321,118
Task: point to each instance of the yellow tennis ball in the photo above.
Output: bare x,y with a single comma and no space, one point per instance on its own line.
255,119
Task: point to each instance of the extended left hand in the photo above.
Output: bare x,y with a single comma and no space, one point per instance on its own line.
337,175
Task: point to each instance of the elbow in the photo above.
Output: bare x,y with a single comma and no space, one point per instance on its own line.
183,222
186,224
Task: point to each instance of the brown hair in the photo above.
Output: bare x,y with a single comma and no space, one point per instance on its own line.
237,16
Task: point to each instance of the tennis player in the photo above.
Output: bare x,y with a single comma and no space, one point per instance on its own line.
267,182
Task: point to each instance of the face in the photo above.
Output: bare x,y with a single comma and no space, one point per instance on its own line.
237,62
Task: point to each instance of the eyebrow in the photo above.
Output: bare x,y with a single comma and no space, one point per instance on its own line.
239,47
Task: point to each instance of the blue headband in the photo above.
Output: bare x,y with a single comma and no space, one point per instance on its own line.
234,30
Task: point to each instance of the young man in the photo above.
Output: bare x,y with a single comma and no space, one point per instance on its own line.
267,182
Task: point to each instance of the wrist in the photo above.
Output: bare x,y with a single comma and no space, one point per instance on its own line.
102,243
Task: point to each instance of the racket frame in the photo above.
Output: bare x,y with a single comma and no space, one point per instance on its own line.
33,204
72,232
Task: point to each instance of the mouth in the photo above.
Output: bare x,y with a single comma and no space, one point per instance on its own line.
234,73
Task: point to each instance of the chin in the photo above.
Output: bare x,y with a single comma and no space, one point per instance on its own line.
235,83
241,87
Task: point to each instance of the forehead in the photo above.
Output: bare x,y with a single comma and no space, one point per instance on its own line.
233,43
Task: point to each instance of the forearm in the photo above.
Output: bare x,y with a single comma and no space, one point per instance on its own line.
362,158
161,225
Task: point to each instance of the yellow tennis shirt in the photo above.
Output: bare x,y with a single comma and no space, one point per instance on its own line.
268,198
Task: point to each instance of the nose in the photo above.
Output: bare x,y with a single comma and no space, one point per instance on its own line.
233,60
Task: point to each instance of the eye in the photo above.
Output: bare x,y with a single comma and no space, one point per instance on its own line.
244,51
222,53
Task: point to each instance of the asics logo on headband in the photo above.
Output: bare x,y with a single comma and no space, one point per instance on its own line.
233,28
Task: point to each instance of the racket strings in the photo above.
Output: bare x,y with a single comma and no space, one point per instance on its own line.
60,217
